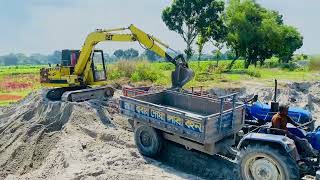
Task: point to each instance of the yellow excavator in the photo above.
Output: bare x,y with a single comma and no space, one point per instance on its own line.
82,73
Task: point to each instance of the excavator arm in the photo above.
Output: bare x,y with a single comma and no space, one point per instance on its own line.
75,80
180,76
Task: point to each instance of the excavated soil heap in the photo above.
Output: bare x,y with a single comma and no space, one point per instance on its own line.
40,139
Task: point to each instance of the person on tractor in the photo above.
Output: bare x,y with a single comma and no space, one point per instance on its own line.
279,127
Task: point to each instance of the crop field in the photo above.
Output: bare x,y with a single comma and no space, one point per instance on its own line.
18,81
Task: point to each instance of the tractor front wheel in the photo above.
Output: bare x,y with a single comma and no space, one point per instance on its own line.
262,162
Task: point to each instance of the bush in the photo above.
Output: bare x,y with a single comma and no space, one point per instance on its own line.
239,64
202,77
272,63
166,66
291,66
144,71
135,70
121,69
253,73
314,63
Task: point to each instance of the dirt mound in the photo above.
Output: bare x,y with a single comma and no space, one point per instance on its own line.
28,131
40,139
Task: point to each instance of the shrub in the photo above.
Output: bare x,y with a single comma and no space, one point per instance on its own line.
272,63
291,66
121,69
144,71
166,66
202,77
253,73
314,63
126,68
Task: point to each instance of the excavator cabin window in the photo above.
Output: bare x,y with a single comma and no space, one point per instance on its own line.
98,66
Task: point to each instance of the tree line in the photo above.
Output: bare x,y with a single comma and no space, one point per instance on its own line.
119,54
55,57
250,31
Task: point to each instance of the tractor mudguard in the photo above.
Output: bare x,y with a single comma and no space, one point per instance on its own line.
285,142
314,139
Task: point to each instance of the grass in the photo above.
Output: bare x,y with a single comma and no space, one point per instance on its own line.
15,70
20,80
17,81
314,63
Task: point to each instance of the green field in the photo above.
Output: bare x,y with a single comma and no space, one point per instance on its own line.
17,81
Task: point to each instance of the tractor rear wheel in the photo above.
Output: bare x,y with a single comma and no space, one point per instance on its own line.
262,162
148,140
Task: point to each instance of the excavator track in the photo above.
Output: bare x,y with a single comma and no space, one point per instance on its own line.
56,93
80,93
102,93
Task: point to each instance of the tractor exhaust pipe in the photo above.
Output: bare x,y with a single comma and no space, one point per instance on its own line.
275,104
275,90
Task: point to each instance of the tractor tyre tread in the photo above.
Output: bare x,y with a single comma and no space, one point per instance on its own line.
289,165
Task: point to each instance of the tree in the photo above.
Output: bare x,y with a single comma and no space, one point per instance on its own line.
190,17
217,55
151,56
131,53
54,58
229,55
256,33
243,20
201,41
291,40
38,58
119,53
10,60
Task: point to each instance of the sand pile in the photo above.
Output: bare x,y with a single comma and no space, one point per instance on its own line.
58,140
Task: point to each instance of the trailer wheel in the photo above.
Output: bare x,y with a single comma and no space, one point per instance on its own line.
148,140
262,162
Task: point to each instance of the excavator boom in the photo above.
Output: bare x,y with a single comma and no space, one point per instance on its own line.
83,73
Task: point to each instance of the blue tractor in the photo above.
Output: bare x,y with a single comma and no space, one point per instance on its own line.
264,155
261,113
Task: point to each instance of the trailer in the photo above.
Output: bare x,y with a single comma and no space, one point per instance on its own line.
212,126
196,122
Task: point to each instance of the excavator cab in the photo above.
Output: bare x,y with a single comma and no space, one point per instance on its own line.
69,57
98,66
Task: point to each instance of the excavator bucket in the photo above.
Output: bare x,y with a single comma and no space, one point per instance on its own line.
181,76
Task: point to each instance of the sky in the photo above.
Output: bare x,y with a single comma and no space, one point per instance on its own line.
43,26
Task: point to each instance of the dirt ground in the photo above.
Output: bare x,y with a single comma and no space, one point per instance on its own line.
40,139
